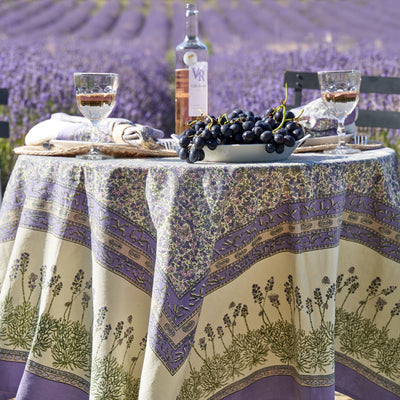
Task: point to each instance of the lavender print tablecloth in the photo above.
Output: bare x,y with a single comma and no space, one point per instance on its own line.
161,280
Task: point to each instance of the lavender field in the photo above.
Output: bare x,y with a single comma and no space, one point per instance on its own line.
252,42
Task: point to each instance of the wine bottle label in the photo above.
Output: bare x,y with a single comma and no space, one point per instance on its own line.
190,58
198,88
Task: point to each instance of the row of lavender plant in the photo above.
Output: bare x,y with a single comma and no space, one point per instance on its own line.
7,8
40,80
351,22
252,44
69,22
245,68
101,22
154,36
129,23
257,83
259,24
38,22
18,16
266,23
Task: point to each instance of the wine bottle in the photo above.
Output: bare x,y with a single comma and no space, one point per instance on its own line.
191,74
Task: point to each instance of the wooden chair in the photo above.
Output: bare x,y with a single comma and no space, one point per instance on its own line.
299,80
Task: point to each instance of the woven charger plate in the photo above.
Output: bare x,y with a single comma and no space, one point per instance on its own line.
322,147
114,149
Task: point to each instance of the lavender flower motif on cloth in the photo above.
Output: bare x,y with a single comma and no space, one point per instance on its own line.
317,121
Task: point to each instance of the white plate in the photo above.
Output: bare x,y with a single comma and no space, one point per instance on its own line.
169,144
68,143
317,141
247,153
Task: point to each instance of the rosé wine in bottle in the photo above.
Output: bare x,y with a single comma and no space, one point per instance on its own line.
191,74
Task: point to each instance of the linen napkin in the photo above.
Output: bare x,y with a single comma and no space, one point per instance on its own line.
318,122
62,126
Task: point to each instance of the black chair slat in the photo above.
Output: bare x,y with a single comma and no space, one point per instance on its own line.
4,130
4,96
4,126
378,119
380,84
299,80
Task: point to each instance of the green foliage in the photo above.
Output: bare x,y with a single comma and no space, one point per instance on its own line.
46,329
71,346
21,327
108,378
7,159
383,136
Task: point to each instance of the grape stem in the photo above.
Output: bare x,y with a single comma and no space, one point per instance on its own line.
283,102
283,106
221,117
283,117
301,112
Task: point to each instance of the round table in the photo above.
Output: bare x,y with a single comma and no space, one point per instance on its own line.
158,279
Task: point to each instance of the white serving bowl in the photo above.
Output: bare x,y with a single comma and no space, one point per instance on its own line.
247,153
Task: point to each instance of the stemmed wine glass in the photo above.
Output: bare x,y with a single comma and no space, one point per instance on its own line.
95,96
340,92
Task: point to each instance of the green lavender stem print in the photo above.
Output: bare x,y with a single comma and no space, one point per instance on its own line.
308,350
305,341
68,340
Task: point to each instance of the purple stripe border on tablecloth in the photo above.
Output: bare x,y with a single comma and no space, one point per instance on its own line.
358,387
32,387
277,388
380,243
374,208
10,376
286,213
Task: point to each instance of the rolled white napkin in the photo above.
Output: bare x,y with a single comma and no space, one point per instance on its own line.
62,126
318,121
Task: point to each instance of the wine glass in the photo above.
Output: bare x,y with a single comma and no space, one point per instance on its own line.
95,96
340,92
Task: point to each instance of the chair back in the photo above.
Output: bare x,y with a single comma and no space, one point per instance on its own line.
299,80
4,126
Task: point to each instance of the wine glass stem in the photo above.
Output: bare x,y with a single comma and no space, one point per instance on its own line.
95,137
341,132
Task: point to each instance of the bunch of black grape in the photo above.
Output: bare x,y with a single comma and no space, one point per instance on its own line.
276,128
